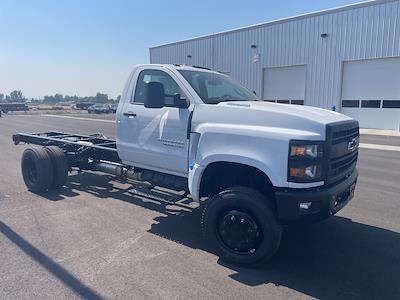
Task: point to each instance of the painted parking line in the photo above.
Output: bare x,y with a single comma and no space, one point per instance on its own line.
381,132
380,147
80,118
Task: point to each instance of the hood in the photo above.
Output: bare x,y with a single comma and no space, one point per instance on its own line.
320,115
266,114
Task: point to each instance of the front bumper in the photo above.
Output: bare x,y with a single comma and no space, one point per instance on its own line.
325,201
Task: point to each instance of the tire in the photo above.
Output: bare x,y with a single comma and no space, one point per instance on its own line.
60,166
37,169
249,216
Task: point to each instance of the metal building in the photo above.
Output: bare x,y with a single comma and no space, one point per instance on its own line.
346,58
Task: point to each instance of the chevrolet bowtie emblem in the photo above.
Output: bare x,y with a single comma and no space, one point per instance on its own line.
353,144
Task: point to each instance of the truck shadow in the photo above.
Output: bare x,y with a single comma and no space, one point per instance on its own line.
67,278
337,258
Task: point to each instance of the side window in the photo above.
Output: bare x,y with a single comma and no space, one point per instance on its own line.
170,86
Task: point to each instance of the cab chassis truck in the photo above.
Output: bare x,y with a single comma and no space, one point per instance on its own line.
257,165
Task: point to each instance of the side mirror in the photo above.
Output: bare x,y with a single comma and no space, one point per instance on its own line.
154,95
180,102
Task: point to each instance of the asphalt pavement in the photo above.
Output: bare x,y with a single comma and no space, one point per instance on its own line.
94,240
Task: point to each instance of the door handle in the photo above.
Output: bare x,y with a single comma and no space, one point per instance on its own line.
129,114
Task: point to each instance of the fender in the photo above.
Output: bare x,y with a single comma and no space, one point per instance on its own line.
196,172
264,148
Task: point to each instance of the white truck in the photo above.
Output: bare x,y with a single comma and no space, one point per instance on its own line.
253,165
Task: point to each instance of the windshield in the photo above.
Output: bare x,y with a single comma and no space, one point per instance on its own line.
214,88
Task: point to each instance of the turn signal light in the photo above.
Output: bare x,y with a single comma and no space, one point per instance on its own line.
297,172
308,172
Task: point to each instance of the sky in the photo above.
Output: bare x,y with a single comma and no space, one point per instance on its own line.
83,47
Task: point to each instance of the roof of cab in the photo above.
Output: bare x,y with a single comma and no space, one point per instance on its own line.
178,67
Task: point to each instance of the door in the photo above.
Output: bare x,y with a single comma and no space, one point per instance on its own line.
371,92
285,84
155,138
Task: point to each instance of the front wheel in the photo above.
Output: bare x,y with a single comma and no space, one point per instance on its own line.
241,226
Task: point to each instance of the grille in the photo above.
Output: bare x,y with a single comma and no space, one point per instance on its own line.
342,144
339,166
345,135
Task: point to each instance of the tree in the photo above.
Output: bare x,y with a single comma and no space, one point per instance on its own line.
16,96
118,98
102,98
1,97
48,99
58,98
71,98
53,99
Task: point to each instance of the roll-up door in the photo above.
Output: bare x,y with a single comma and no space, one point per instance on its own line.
285,84
371,92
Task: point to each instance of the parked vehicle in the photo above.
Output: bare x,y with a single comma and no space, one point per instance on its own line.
99,109
6,107
256,165
83,105
113,108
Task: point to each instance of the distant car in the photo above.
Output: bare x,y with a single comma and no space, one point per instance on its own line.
83,105
113,108
99,109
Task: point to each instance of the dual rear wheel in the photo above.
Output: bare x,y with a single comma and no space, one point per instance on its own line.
44,168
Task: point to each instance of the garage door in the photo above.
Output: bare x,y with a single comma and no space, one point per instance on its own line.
371,92
285,84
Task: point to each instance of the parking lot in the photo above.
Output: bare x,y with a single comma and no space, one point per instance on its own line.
95,240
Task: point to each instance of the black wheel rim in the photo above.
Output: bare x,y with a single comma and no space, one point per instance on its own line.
239,231
30,171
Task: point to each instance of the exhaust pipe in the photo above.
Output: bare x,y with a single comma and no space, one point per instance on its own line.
109,168
115,169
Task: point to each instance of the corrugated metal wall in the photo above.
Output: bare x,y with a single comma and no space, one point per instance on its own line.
360,32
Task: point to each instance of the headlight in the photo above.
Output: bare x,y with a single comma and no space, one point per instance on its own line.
305,161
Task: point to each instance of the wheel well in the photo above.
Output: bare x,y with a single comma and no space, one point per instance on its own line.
221,175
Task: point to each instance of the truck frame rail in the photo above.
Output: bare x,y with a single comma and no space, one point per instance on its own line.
77,146
98,153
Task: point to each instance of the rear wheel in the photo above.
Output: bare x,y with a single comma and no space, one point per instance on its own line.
37,169
241,226
60,166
